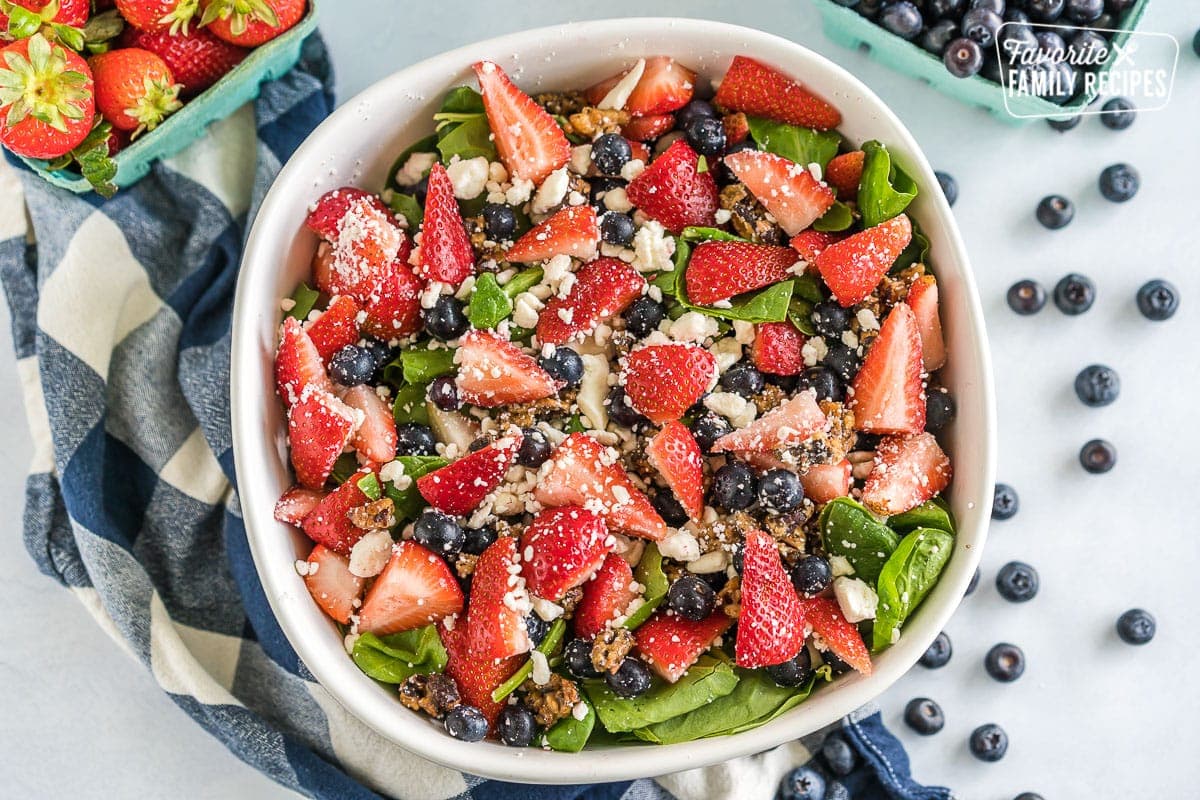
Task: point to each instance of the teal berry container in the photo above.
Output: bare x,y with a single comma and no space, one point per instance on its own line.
239,86
848,28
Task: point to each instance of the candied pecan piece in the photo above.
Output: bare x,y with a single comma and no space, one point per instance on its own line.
729,599
749,217
570,600
377,514
434,694
560,104
464,564
770,396
589,121
610,647
551,702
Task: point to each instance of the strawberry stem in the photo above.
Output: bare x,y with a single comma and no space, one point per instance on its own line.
40,86
240,13
160,100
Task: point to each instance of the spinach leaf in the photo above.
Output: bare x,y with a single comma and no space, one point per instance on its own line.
670,282
418,365
426,145
569,735
469,139
574,425
523,281
808,287
303,299
407,206
766,305
409,405
802,145
345,466
839,217
649,573
489,303
917,251
909,574
799,695
933,513
460,100
694,233
549,644
849,530
369,485
397,657
800,315
409,502
709,678
885,190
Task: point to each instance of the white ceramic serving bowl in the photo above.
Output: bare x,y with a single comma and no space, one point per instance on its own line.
356,145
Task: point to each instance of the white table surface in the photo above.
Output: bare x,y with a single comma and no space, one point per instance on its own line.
1090,718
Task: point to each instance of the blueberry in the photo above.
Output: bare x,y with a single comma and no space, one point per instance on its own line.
949,186
1118,113
709,427
1062,83
981,26
824,382
989,742
516,726
696,109
963,57
564,364
1092,46
836,790
643,317
1016,15
1119,183
733,487
779,491
381,354
973,585
476,540
842,360
1158,300
789,383
839,756
829,318
1005,502
869,8
942,9
924,716
706,135
620,412
691,598
937,36
995,6
1044,10
1026,297
1055,211
902,18
352,365
1074,294
835,663
669,508
802,783
415,439
1064,125
1005,662
1017,582
535,448
1083,12
1136,626
446,320
743,379
444,393
1098,456
794,671
610,152
1049,43
938,654
1097,385
578,657
439,532
1196,43
1119,6
466,723
478,443
537,628
616,228
739,557
1028,796
631,679
939,410
811,575
499,221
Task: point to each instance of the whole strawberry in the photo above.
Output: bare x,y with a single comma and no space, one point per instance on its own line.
47,103
250,23
135,90
73,13
158,15
197,59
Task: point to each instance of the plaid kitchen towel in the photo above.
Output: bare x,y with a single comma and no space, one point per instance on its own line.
121,316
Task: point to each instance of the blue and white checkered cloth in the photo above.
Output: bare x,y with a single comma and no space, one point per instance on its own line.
121,318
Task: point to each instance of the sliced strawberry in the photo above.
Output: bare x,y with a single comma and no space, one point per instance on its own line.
362,234
670,644
332,584
844,172
827,621
824,482
295,504
606,597
376,436
446,253
810,244
786,189
328,523
319,428
298,364
495,624
776,348
414,589
888,393
460,486
762,461
494,372
335,328
755,88
572,231
583,472
392,300
603,288
737,128
719,270
641,151
530,143
673,191
475,677
907,472
665,86
663,381
853,267
771,625
327,214
595,93
923,300
786,425
561,549
647,129
674,453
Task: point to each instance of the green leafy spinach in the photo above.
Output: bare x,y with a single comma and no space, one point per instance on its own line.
849,530
397,657
463,128
885,190
408,502
933,513
409,404
909,574
303,300
649,573
569,735
709,678
802,145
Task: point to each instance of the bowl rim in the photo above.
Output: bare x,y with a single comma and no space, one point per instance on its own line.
360,695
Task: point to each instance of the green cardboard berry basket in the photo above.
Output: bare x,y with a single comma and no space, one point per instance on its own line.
239,86
847,27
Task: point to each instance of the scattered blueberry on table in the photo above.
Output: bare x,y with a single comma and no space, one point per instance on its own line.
949,186
1118,113
1136,626
1119,183
1158,300
989,742
1055,211
1074,294
1097,385
1017,582
836,790
1064,125
838,755
938,654
1098,456
924,716
1005,662
973,585
1026,297
1028,796
803,783
1005,502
